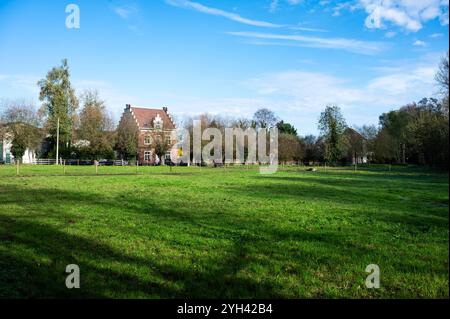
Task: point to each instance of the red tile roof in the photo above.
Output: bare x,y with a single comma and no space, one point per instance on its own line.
146,116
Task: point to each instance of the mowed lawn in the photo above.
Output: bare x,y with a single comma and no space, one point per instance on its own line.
210,233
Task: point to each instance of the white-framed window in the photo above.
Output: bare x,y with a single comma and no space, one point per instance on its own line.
167,156
147,156
168,140
158,139
158,125
148,140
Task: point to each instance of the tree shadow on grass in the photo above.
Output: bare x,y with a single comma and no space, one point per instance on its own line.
35,253
34,257
258,262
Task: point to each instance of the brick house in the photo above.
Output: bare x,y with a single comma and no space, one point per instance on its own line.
154,125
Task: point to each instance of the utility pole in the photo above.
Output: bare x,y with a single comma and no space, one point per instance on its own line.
57,142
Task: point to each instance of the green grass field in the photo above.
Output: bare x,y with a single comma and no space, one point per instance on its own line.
207,233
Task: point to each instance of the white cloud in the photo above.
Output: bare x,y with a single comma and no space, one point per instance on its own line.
443,18
304,94
405,84
390,34
130,13
273,6
436,35
21,82
125,12
419,43
363,47
344,6
294,2
218,12
300,28
408,15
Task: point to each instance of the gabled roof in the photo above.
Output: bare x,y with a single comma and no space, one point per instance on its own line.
350,130
145,117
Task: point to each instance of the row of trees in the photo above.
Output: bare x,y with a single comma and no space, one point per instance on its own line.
88,132
415,133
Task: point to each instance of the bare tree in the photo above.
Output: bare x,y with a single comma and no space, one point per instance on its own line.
369,132
162,143
265,118
127,138
442,76
20,126
289,148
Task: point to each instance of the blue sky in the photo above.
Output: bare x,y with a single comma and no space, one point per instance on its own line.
231,57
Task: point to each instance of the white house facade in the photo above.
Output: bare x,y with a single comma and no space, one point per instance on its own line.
7,158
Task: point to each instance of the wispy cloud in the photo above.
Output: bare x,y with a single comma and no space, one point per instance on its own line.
419,43
21,82
218,12
125,11
351,6
352,45
436,35
238,18
294,2
130,13
273,5
303,94
300,28
390,34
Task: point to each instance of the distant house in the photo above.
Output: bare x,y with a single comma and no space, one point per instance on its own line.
6,156
355,147
155,125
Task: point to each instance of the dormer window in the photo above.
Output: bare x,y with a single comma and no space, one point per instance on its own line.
147,140
158,123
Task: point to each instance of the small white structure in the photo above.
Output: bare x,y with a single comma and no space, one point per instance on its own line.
6,157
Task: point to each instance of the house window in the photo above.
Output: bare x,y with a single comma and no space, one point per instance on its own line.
158,139
147,156
147,140
168,141
158,125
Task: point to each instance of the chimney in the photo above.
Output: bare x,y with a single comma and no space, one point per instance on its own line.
165,109
128,106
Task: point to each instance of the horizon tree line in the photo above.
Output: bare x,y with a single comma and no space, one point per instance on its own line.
414,133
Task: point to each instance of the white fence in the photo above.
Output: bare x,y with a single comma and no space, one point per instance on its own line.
44,162
35,162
